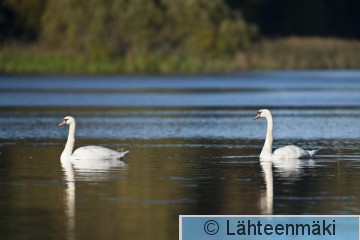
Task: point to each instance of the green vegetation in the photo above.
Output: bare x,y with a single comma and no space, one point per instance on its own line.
35,61
305,53
151,36
135,28
285,53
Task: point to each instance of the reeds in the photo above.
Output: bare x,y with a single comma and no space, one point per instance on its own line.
305,53
268,54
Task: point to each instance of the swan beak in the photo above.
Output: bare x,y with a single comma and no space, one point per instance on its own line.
63,122
257,116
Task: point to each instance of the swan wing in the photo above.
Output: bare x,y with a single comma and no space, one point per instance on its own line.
97,158
291,152
97,153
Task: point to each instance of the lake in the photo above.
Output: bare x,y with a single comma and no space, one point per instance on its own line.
194,149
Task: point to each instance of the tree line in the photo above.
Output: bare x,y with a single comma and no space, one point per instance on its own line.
167,36
127,27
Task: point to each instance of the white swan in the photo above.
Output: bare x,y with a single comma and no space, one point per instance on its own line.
88,156
287,152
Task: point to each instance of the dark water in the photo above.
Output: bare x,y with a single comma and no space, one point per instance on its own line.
194,150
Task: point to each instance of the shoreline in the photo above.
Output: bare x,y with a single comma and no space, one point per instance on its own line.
291,53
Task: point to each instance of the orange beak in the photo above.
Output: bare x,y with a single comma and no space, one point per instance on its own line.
257,116
63,122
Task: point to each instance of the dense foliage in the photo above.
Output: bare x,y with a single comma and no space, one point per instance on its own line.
131,28
164,36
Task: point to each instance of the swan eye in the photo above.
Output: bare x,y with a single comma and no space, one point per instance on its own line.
66,119
259,112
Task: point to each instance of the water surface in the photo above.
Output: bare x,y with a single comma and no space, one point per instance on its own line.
194,150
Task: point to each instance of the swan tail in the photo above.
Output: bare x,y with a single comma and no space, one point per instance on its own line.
122,154
313,152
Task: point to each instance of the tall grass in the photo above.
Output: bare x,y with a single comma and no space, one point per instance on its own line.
305,53
285,53
34,60
37,61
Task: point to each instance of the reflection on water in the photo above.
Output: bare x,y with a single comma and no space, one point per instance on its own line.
97,174
194,150
267,196
69,177
292,168
165,178
289,169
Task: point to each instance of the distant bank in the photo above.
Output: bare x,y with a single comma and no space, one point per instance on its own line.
269,54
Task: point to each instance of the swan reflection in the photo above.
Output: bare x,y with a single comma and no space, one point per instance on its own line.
267,197
290,169
100,172
69,176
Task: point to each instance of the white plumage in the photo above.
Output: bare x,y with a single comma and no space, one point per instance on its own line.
88,156
96,152
293,151
287,152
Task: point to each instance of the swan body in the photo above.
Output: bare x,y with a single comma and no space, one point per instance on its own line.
97,152
294,152
286,152
88,156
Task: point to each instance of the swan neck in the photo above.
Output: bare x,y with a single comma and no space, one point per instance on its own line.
69,146
267,149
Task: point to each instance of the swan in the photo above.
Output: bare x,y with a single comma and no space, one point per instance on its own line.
287,152
88,156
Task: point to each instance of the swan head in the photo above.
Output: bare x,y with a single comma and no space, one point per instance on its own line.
262,113
67,120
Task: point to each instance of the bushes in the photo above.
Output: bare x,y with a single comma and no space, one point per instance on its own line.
100,29
150,36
